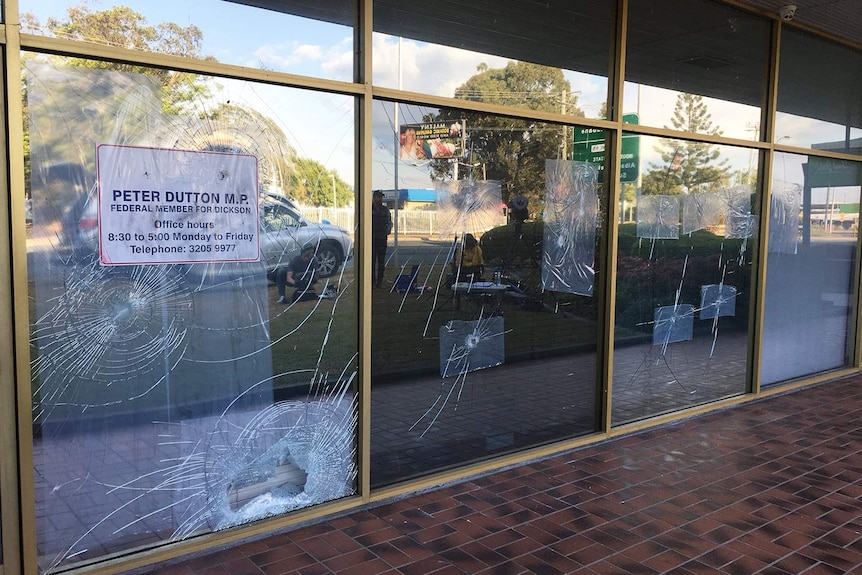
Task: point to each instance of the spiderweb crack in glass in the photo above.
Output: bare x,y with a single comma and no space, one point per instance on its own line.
465,346
242,465
110,325
467,206
154,391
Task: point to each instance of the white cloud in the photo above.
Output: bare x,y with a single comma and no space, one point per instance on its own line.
284,57
338,63
426,68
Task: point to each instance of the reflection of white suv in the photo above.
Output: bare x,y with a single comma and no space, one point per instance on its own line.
283,231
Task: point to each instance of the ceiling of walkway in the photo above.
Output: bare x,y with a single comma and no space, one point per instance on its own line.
840,18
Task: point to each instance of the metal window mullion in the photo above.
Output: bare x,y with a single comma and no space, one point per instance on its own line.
609,239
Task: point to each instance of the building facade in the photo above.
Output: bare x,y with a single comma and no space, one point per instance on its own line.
664,195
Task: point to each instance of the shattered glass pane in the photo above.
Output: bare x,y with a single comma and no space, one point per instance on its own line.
571,224
664,283
174,392
254,464
658,217
701,210
456,352
467,206
784,217
466,346
673,323
107,327
717,300
741,222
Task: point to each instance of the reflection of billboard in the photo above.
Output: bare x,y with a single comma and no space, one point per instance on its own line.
431,141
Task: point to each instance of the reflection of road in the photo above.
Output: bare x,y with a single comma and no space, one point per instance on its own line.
837,236
413,250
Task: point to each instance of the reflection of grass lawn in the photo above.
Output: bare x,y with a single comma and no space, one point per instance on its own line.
308,331
399,322
400,342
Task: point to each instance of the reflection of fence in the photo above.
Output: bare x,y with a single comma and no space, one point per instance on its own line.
410,222
834,220
341,217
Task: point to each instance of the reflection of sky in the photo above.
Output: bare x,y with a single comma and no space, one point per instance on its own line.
439,70
788,168
317,126
279,42
655,108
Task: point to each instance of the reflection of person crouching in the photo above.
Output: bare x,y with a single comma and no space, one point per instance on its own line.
300,273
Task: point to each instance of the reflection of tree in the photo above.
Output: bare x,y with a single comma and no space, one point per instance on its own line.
136,105
123,27
687,166
513,151
118,26
311,183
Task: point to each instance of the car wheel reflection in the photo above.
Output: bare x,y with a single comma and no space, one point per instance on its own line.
328,260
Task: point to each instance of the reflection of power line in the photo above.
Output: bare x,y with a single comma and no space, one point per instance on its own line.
753,127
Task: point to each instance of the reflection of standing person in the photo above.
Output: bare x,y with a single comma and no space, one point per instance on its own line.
381,225
411,147
518,213
300,273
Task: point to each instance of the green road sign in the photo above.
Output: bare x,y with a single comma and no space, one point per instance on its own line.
826,172
589,146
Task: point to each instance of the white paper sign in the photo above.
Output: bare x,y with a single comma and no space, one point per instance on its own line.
159,206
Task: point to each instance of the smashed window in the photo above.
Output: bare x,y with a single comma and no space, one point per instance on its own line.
683,282
193,328
484,326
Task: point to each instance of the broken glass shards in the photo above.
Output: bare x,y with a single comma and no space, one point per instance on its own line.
466,346
111,335
701,210
571,222
467,206
134,366
717,300
740,222
673,323
251,464
784,217
290,455
658,217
